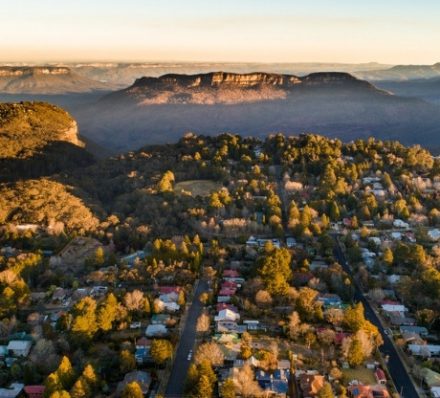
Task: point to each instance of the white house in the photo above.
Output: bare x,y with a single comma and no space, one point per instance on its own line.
434,234
19,348
424,350
227,315
396,235
400,224
394,307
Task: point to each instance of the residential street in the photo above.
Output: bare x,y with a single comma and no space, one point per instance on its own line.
176,383
397,370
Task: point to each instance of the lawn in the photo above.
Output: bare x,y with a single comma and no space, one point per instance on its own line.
197,187
361,374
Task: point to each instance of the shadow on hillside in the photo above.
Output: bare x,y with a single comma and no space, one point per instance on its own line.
56,157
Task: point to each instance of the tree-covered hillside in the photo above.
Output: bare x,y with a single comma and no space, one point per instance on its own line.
37,139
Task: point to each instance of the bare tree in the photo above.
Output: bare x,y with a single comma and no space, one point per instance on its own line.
134,300
203,323
210,352
263,299
245,384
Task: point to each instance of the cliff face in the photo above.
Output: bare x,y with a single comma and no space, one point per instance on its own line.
38,139
232,88
45,80
9,71
26,128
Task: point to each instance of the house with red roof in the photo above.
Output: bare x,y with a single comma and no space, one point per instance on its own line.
169,289
379,374
36,391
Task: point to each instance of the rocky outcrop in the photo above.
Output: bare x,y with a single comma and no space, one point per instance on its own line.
231,88
11,71
45,80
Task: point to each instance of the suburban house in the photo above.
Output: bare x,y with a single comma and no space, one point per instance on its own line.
420,330
310,384
158,330
390,306
424,350
13,391
34,391
276,383
379,374
142,378
19,348
330,300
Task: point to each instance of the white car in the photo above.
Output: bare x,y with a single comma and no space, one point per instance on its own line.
190,354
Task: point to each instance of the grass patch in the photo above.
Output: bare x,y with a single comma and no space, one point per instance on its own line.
361,374
197,187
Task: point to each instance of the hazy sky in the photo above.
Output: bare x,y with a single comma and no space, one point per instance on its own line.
388,31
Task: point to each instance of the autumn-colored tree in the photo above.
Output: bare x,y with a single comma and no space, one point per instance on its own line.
132,390
388,257
107,312
80,389
227,389
127,361
355,355
161,351
326,391
66,373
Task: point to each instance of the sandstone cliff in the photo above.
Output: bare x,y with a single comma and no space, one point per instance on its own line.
232,88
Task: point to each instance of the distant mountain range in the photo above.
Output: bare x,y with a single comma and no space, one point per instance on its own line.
46,80
401,73
158,110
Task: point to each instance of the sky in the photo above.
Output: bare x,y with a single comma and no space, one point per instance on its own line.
349,31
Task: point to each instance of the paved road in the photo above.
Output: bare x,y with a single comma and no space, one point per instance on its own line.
396,368
176,383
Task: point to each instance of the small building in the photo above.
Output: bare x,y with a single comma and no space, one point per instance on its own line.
424,350
13,391
156,330
330,300
434,234
36,391
311,384
140,377
393,307
19,348
227,315
420,330
379,374
400,224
